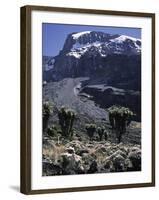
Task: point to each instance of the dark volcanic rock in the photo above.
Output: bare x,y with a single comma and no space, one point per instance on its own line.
107,96
96,54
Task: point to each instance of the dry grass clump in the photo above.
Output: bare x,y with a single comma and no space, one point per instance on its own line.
54,152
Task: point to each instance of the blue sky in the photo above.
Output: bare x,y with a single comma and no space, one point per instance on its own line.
54,35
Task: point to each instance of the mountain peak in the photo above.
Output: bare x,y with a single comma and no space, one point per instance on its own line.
100,43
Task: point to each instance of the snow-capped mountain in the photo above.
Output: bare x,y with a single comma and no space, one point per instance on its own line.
98,55
78,44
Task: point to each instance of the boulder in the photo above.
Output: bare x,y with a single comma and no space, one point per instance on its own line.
71,164
93,168
50,168
108,166
135,158
115,162
119,163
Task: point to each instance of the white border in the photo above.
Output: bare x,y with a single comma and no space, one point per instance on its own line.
39,182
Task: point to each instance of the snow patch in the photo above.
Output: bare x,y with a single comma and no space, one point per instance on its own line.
122,38
48,67
78,46
119,40
52,61
74,54
79,49
77,35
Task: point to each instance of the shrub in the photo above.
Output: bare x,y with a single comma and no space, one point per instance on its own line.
100,131
66,120
120,118
46,112
105,135
52,131
90,128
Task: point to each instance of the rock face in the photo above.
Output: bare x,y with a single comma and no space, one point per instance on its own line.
94,54
77,44
106,96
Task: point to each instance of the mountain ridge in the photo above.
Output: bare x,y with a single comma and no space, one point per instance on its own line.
77,44
92,49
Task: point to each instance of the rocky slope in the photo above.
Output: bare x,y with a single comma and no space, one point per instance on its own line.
84,157
66,92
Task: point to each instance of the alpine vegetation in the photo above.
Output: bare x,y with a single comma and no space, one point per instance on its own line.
120,118
66,120
90,128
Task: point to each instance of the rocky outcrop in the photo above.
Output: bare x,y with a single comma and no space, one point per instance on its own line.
107,96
